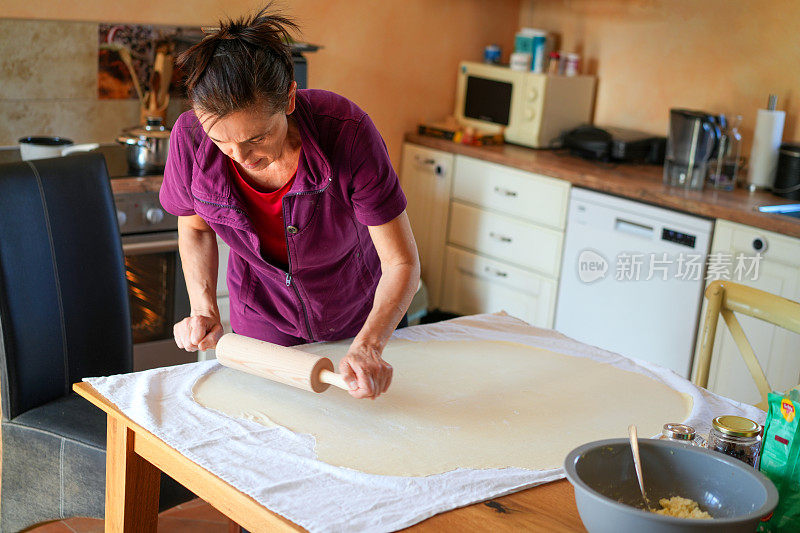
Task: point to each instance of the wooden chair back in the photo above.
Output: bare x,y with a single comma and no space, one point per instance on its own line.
725,298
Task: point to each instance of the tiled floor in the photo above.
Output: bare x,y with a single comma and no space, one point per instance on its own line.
195,516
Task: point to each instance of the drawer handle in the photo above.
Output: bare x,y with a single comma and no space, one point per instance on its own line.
505,192
438,169
499,237
495,272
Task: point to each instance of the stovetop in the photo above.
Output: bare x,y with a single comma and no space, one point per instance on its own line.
117,162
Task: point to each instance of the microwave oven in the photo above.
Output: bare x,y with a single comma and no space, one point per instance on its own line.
530,108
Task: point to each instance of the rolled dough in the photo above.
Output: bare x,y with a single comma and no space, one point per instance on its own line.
456,404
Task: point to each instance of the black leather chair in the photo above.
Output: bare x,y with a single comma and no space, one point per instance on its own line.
64,316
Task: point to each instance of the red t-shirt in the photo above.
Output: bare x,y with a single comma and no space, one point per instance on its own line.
265,210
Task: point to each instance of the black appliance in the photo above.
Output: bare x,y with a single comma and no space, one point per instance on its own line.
615,144
300,62
787,177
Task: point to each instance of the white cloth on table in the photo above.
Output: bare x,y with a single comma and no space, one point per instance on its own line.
278,468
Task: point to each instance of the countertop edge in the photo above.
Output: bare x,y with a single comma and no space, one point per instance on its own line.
635,182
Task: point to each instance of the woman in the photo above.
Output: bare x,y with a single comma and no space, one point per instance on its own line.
300,186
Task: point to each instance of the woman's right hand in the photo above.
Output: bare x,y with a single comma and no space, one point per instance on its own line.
197,332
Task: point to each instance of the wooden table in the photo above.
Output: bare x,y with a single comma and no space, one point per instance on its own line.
135,459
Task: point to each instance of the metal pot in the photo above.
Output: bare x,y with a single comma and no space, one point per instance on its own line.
147,146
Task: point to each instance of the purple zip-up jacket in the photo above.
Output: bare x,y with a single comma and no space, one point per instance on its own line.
345,182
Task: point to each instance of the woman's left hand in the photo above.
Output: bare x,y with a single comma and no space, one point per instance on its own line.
363,369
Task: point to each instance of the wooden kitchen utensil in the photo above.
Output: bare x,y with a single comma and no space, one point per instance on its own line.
155,87
278,363
163,65
152,107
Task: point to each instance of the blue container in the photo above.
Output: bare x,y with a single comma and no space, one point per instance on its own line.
539,45
533,42
491,54
523,43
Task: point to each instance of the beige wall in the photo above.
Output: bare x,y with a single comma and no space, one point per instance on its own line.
48,85
650,55
397,59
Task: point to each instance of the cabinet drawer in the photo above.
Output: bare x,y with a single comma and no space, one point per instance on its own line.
774,247
509,239
515,192
475,284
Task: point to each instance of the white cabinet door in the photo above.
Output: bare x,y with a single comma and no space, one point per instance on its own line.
476,284
222,271
426,177
777,349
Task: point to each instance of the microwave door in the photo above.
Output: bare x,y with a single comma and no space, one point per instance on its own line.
488,100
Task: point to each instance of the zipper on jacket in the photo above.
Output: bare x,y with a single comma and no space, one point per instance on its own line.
288,253
289,257
294,285
302,305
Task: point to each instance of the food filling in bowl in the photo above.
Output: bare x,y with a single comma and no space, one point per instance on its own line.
681,508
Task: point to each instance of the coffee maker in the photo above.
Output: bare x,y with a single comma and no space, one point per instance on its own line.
693,141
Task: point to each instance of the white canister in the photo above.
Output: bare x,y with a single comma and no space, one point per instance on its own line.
572,65
764,153
520,61
31,148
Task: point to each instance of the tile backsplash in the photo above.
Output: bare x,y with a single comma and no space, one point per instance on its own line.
48,84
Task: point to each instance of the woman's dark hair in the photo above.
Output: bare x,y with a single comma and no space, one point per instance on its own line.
245,62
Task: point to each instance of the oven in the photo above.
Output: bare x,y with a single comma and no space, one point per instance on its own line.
158,298
156,286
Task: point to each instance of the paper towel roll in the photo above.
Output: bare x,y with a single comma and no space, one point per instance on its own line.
764,154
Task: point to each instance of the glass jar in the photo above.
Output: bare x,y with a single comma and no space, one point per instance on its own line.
681,433
724,171
737,437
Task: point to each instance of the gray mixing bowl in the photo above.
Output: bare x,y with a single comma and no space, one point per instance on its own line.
609,500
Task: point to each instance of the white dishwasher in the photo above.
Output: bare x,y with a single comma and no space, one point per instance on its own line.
632,278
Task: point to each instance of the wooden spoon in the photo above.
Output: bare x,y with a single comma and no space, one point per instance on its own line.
163,65
637,463
155,87
125,55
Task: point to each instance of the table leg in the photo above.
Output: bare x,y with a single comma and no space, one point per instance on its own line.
132,484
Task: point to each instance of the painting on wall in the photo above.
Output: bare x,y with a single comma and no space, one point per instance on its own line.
129,55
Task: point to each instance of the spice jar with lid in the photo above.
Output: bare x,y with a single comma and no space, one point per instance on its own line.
681,433
736,436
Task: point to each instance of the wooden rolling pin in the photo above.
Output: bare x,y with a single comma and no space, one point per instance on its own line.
278,363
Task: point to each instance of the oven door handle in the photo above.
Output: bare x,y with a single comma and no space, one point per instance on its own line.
151,247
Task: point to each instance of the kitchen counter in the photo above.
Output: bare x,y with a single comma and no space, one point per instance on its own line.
135,184
637,182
